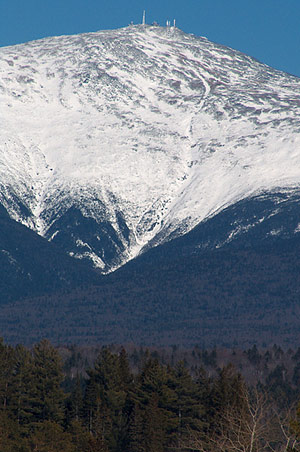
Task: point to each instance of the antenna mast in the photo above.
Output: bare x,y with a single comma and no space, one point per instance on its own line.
144,17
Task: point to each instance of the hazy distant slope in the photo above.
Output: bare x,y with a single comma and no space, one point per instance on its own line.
223,297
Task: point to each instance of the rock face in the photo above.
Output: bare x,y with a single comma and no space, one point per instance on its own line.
117,141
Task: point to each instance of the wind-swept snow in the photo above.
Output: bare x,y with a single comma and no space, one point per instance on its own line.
147,129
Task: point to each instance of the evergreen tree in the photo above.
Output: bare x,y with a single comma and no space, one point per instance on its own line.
92,401
190,407
125,374
154,398
23,388
228,394
10,437
97,444
47,398
154,426
6,372
106,396
74,402
80,436
50,437
136,430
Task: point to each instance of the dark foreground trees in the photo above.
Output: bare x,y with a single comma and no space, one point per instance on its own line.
159,408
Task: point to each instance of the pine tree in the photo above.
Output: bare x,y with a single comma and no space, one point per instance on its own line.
125,375
190,407
75,402
136,430
80,436
92,401
6,372
106,397
153,399
154,426
50,437
97,444
47,398
22,388
228,393
10,436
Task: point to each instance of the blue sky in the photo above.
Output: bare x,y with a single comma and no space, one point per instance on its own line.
268,30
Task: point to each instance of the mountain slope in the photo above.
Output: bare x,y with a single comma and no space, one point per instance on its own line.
224,297
31,266
116,141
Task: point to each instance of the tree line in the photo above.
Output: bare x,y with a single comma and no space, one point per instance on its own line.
157,408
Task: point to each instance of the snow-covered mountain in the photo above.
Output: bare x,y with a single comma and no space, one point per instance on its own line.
116,141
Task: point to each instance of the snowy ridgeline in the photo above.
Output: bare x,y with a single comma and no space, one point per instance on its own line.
113,140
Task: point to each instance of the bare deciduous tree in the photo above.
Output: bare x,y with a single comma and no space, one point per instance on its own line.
255,426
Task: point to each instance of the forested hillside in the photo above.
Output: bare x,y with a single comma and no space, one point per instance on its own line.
164,297
151,406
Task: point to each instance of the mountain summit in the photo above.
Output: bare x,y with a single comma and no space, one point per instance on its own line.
115,141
